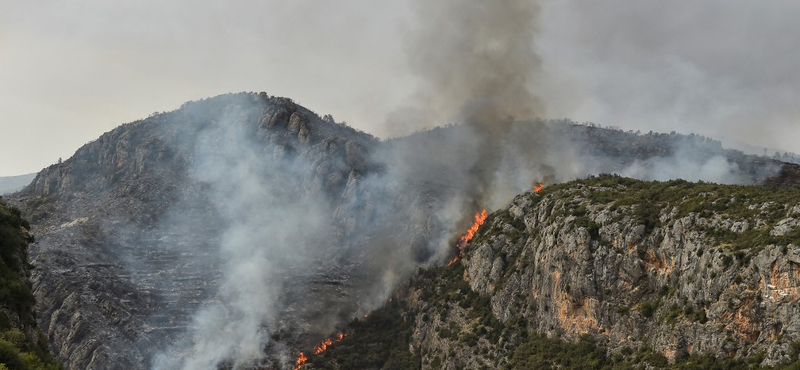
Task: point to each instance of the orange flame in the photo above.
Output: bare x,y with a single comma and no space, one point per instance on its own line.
452,261
300,361
538,186
480,218
324,345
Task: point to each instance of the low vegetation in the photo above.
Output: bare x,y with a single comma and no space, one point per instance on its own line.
757,208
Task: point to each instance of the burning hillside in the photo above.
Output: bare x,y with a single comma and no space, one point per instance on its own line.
575,278
318,349
480,218
164,217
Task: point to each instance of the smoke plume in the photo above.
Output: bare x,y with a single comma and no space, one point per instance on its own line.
476,63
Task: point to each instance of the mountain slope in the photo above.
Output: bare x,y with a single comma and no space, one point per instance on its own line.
653,272
129,229
250,215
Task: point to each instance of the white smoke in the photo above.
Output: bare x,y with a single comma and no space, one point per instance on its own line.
714,169
269,228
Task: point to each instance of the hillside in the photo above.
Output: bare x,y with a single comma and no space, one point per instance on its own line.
22,345
130,227
251,216
603,273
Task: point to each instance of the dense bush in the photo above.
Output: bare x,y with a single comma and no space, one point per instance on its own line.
18,350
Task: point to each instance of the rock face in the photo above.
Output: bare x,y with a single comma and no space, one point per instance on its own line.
673,270
683,268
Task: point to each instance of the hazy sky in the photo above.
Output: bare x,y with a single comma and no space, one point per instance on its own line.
71,70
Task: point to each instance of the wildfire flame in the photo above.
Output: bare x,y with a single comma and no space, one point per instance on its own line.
452,261
324,345
300,361
327,343
480,218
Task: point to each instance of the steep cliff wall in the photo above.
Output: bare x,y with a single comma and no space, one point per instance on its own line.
681,267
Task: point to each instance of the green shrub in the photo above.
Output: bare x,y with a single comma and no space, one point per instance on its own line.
648,308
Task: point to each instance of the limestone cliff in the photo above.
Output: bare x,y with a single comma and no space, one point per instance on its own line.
636,273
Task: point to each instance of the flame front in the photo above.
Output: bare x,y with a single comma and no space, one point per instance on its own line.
480,218
538,186
325,344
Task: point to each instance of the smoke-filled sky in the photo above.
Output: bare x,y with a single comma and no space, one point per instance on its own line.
71,70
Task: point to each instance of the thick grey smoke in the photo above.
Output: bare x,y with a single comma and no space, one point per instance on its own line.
477,64
476,61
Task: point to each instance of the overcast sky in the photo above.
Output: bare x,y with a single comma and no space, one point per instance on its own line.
71,70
